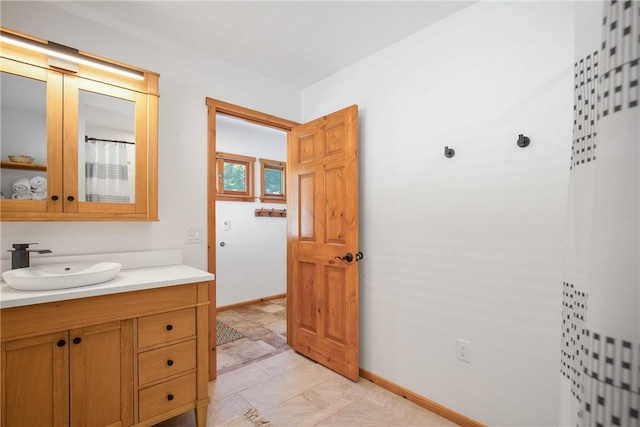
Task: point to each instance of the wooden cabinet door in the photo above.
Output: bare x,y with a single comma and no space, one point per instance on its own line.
31,116
111,120
101,375
35,386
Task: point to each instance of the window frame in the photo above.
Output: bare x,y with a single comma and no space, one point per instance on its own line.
274,165
237,196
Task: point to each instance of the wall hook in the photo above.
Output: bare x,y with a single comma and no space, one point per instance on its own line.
449,152
523,141
272,211
283,213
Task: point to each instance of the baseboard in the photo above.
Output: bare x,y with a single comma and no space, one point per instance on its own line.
253,301
430,405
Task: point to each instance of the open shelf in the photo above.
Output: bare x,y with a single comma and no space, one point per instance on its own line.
23,166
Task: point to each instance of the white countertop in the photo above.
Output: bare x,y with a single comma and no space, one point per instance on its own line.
135,279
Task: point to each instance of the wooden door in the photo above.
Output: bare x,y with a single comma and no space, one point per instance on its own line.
35,381
322,227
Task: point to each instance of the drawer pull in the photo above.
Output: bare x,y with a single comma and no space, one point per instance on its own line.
169,362
77,340
61,343
169,327
170,397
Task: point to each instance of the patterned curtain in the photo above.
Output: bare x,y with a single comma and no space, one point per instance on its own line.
600,357
107,173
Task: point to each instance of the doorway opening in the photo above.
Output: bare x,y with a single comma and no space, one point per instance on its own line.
223,120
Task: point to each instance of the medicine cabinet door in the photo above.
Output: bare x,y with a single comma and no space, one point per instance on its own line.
105,153
30,139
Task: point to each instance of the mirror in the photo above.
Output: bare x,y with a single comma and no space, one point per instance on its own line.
106,148
23,138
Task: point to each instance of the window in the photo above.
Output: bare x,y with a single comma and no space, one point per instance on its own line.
235,177
272,183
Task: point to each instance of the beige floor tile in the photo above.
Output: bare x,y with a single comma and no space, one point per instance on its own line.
228,316
243,325
283,362
236,381
225,410
336,393
274,391
226,360
245,350
262,318
295,412
362,413
238,422
272,308
279,326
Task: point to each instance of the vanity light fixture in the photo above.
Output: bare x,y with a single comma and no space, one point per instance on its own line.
68,54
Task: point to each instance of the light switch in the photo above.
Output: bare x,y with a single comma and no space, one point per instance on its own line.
194,235
226,225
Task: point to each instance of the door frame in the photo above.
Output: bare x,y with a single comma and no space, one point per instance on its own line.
215,106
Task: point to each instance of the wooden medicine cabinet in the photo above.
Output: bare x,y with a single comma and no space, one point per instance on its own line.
78,143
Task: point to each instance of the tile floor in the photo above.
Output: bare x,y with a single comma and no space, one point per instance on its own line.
262,372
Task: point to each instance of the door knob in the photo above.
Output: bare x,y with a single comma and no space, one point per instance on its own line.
347,257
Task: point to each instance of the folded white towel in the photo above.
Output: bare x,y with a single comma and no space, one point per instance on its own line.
22,196
38,183
21,185
40,195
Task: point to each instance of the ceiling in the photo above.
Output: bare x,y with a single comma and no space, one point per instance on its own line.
294,42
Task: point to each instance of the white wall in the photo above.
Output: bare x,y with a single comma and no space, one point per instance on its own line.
186,77
469,247
252,263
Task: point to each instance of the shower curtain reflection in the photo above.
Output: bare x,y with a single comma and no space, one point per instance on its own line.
107,172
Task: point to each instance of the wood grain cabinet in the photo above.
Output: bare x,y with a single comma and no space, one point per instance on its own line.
135,358
55,115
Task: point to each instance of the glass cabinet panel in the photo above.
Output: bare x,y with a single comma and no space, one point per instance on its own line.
106,148
23,137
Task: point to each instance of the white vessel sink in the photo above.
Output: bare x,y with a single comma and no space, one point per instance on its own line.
61,276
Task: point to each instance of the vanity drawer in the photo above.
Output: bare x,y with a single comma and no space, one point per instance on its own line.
166,327
167,396
166,361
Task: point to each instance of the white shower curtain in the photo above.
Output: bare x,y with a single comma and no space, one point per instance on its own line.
107,176
600,357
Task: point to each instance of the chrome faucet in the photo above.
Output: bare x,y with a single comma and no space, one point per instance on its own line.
20,254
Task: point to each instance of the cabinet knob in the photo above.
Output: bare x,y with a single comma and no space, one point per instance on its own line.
169,327
54,197
170,397
70,198
77,340
61,343
169,362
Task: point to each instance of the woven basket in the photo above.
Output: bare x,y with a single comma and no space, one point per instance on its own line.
21,159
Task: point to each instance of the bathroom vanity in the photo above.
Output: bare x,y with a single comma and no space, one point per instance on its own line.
132,351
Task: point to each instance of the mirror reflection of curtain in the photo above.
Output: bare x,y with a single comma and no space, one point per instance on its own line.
107,176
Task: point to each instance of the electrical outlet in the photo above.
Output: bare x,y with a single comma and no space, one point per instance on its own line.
463,350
